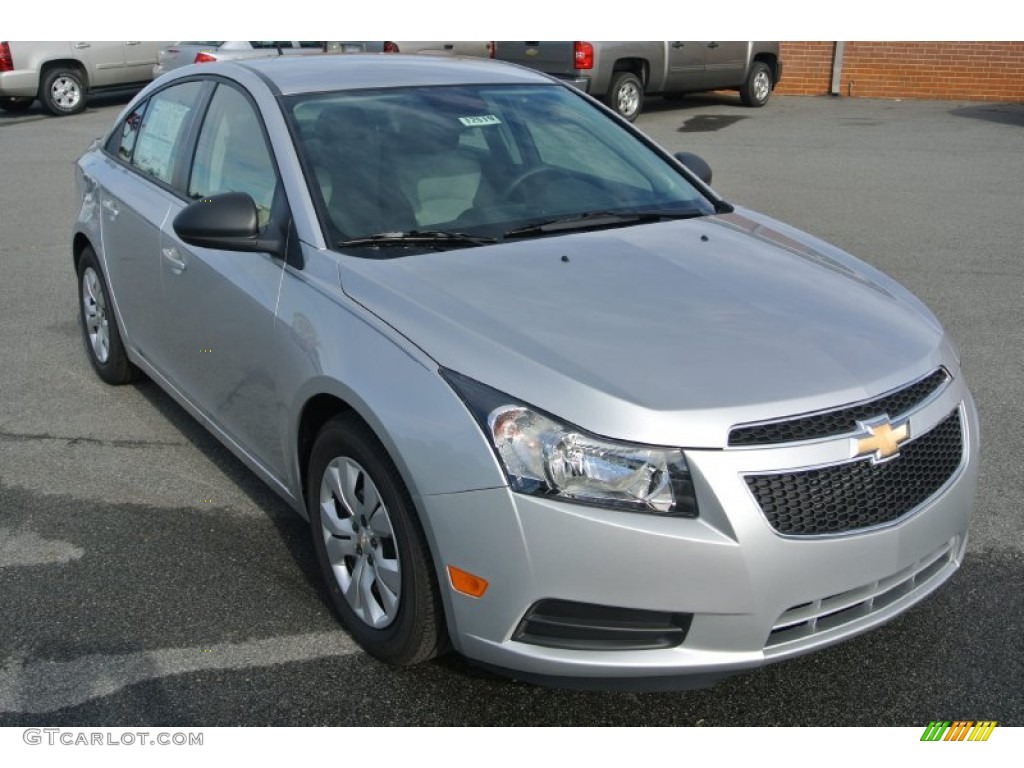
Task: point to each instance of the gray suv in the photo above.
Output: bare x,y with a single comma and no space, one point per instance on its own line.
62,74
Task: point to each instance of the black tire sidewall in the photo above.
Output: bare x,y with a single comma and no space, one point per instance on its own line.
613,94
402,641
747,92
117,369
52,75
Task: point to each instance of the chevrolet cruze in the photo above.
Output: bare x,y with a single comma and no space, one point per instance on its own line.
544,397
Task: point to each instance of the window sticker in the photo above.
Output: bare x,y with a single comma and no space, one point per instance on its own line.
480,120
153,151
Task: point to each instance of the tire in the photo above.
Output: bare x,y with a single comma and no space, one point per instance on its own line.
15,103
63,91
99,325
371,549
758,88
626,95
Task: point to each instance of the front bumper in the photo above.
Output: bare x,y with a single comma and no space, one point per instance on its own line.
755,596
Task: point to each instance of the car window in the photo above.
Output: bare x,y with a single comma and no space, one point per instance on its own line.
262,44
232,153
122,141
163,129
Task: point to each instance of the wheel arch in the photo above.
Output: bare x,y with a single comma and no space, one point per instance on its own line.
78,245
639,67
57,64
772,61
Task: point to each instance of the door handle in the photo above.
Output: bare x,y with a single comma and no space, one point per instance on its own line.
111,208
712,45
133,42
174,258
80,46
678,44
449,47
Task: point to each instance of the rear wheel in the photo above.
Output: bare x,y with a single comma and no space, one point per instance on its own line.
371,549
626,95
757,89
99,326
63,91
15,103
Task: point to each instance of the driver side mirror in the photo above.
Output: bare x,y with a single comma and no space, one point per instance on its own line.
228,221
696,164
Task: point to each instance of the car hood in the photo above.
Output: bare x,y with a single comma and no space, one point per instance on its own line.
666,333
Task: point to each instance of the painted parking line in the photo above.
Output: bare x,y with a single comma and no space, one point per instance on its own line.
47,686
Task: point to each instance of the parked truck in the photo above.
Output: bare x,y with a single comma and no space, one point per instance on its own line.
623,73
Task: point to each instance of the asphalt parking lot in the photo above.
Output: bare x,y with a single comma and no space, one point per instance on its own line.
148,578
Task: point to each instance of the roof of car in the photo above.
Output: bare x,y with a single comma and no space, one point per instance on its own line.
329,72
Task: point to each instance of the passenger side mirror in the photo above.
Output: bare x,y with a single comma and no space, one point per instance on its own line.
228,221
696,164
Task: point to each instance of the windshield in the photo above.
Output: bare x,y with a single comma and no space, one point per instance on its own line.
479,162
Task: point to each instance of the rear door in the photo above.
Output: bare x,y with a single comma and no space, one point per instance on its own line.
725,64
685,65
136,194
103,60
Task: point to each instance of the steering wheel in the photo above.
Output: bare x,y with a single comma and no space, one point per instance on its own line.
514,188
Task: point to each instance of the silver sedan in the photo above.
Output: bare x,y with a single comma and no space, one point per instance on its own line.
543,395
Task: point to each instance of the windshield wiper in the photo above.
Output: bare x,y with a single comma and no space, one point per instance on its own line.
419,237
598,220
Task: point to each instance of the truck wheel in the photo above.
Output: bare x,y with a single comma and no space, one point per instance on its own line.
626,95
757,89
15,103
63,91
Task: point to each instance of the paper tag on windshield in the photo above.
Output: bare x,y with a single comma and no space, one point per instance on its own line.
480,120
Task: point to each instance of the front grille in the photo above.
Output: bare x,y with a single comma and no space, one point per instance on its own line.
834,611
860,494
845,420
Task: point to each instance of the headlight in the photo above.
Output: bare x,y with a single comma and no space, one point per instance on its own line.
544,456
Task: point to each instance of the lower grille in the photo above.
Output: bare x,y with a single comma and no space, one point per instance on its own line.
861,494
818,616
587,627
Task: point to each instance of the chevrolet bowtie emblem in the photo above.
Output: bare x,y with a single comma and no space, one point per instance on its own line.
883,439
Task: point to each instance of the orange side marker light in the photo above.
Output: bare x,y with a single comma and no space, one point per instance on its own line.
466,583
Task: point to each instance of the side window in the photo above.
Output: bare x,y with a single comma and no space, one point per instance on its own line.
232,155
122,141
163,129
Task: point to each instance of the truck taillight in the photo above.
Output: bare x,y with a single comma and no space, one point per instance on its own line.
390,47
6,60
583,55
203,58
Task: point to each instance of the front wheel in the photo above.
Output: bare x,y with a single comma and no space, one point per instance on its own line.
371,549
626,95
63,91
757,89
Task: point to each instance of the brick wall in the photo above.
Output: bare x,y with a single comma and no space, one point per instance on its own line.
979,71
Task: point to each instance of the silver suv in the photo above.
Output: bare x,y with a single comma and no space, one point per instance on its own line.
62,74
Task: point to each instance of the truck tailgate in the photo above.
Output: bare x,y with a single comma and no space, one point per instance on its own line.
552,57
